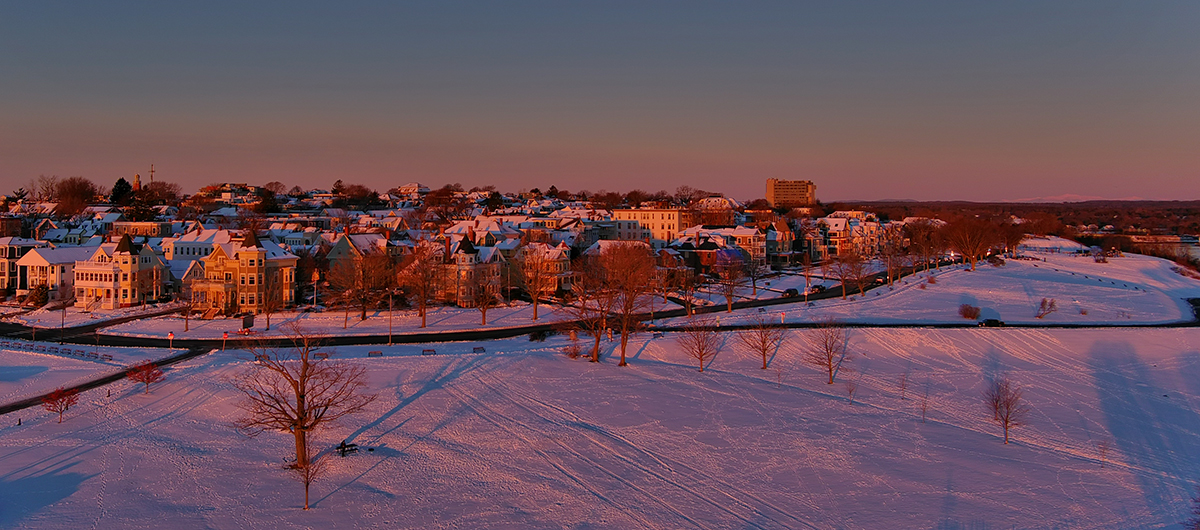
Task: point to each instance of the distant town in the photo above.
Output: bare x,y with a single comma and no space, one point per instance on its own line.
237,248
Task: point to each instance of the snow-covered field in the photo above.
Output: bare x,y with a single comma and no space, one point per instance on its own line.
331,322
1133,289
522,437
46,318
29,369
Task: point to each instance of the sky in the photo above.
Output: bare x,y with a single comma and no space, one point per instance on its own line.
982,101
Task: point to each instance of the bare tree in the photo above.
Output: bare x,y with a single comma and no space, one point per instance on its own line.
594,300
629,272
1004,399
188,296
806,264
972,237
1048,305
763,338
923,240
482,294
60,400
731,275
421,275
700,340
756,270
892,251
847,267
314,468
291,389
851,388
145,373
272,294
828,348
688,282
361,281
536,273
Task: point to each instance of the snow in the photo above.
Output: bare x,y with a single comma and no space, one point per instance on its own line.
30,369
1132,289
522,437
54,318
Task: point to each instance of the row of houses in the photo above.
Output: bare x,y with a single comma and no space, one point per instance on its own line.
100,261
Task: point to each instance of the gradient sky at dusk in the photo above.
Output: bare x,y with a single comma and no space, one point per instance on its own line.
873,100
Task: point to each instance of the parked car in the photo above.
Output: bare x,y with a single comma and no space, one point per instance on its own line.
991,323
791,293
818,289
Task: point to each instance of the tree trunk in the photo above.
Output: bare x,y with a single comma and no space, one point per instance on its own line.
422,314
306,482
596,349
483,311
624,340
301,447
535,307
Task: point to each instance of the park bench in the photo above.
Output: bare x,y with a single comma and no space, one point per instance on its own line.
478,349
657,335
429,352
106,357
344,448
374,354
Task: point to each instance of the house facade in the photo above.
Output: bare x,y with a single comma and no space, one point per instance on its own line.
119,274
246,276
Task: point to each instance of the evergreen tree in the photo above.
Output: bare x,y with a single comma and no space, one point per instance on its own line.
122,193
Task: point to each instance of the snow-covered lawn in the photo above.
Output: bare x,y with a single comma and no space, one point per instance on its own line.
522,437
45,318
1133,289
32,368
330,323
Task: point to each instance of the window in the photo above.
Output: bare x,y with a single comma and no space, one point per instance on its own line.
251,279
243,279
243,299
124,276
251,299
124,293
228,277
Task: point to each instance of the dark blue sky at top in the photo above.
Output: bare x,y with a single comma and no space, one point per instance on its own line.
923,100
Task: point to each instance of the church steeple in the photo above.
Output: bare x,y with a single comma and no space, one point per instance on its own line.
137,182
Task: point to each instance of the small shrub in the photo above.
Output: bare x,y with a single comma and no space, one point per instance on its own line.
538,336
38,296
968,311
932,280
1048,305
1083,312
573,349
922,286
995,261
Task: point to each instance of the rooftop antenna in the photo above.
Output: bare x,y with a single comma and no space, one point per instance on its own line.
152,173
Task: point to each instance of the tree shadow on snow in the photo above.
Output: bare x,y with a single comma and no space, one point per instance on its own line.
26,496
1151,431
447,374
12,374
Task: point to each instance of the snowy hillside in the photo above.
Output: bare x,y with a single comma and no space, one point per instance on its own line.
1133,289
523,437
